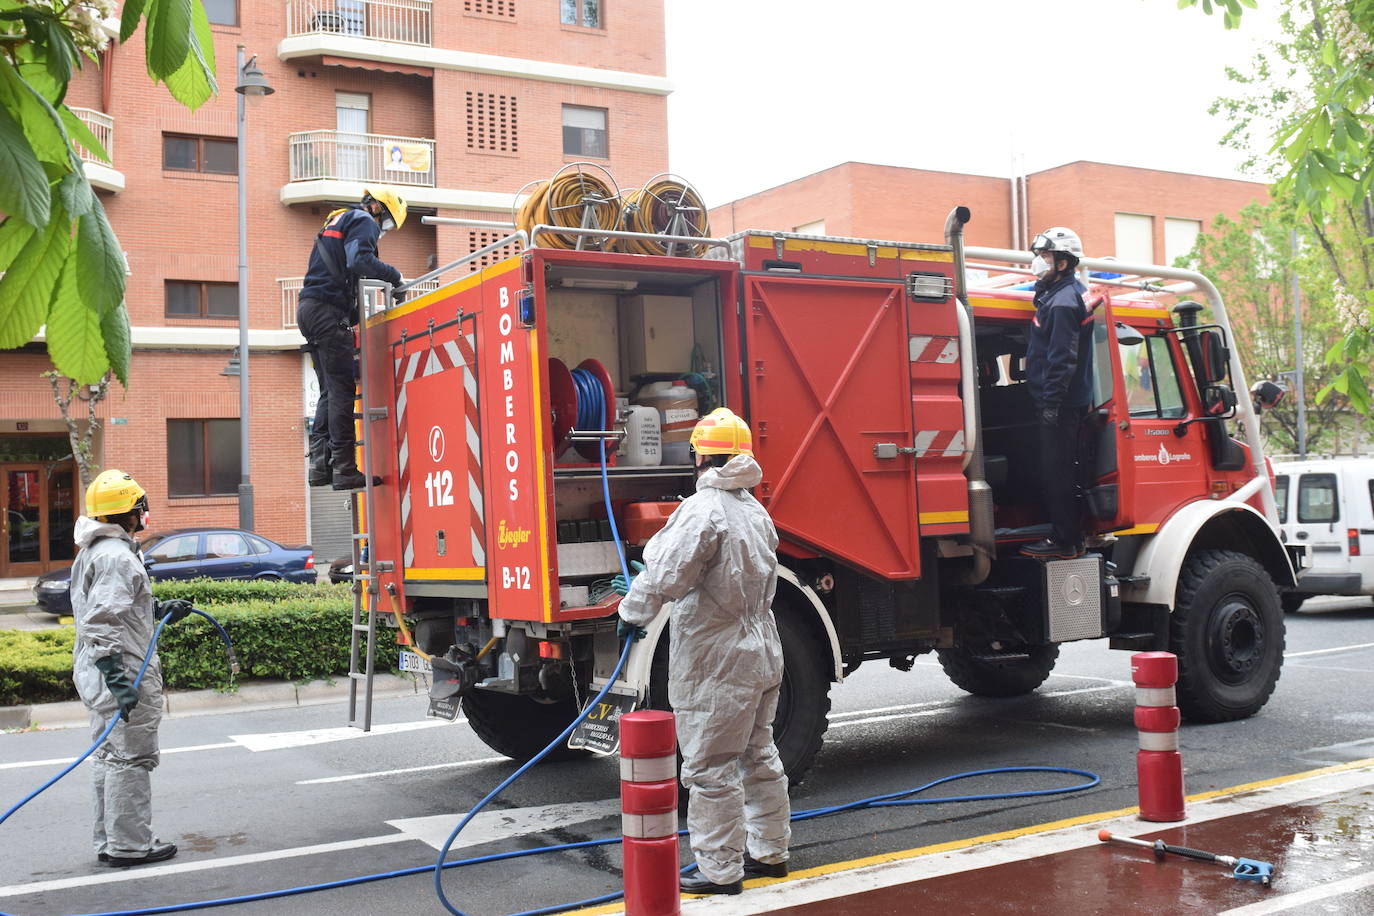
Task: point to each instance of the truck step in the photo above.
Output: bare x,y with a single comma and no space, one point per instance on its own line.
1135,641
1133,580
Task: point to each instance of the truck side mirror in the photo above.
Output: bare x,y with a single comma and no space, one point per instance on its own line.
1216,358
1218,401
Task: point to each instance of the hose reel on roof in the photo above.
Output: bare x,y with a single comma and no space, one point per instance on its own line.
576,198
665,205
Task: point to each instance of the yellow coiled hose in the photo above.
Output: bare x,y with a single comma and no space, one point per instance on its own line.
666,205
571,198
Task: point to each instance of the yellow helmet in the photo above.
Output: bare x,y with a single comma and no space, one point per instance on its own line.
395,204
720,432
112,493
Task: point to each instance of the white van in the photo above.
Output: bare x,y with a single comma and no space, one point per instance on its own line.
1328,505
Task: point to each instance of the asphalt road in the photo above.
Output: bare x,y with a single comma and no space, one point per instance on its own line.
274,799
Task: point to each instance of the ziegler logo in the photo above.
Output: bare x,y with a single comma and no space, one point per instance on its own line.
511,537
436,443
1164,456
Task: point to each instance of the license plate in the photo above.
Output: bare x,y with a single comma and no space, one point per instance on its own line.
599,732
412,662
446,708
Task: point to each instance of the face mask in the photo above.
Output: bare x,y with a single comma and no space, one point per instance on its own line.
1042,268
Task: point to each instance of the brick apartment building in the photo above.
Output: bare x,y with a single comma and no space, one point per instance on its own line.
1129,213
458,103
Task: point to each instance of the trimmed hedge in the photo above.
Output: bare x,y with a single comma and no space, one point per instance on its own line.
279,629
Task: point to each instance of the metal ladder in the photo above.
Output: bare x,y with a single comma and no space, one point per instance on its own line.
362,645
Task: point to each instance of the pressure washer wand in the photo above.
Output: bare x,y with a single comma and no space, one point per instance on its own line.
1242,869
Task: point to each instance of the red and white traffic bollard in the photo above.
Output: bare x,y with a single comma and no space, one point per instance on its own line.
1159,768
648,805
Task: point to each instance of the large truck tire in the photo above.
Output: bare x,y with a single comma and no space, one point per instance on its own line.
1228,633
803,700
520,726
1001,678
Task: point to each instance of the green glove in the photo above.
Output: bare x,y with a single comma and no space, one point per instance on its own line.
619,585
112,666
179,608
624,629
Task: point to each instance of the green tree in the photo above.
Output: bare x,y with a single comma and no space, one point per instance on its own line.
1250,260
1304,114
63,266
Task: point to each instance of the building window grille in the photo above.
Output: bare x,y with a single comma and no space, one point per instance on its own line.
497,9
492,122
584,132
586,13
479,239
202,457
200,154
194,299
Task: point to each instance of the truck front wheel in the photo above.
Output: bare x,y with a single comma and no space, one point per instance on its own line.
993,677
520,726
1227,631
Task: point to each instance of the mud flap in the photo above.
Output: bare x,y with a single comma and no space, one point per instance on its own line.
599,732
445,689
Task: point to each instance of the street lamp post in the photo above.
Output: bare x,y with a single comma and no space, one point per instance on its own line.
251,84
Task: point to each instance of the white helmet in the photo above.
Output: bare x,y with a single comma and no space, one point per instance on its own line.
1057,238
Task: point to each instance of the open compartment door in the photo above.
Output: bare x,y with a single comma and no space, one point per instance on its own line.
828,375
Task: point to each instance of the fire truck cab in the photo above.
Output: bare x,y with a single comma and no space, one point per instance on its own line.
898,446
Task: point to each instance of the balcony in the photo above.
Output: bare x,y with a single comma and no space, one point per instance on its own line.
404,21
98,172
291,291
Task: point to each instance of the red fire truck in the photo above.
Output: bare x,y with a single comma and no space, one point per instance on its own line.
900,464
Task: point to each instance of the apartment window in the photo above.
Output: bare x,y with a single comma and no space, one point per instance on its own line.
1135,238
1180,235
492,125
581,12
194,299
584,132
200,154
222,12
202,457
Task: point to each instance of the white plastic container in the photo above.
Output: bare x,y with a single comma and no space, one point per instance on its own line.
677,411
643,446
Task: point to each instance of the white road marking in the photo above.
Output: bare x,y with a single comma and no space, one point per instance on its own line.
1337,747
1331,668
403,771
1284,902
153,871
490,826
63,761
274,741
1363,645
937,706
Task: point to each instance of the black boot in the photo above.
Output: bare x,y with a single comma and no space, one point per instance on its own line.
320,474
697,883
346,474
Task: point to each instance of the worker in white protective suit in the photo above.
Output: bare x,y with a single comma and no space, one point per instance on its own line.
114,609
716,561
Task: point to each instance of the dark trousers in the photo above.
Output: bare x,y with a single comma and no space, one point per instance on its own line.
1059,475
331,349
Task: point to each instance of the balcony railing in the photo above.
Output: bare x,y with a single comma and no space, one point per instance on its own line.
291,291
406,21
100,124
362,157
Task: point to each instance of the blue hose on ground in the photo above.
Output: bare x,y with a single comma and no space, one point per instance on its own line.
888,800
147,659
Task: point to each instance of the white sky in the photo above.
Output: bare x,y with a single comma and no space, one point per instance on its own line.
770,90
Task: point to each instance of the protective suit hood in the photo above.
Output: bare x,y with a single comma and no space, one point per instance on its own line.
739,473
89,530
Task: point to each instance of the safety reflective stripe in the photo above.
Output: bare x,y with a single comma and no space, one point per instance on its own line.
934,349
648,826
944,443
1159,741
652,769
1155,696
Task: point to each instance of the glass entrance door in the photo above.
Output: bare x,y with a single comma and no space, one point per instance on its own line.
22,487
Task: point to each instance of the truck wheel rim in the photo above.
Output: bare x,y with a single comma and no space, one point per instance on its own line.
1237,640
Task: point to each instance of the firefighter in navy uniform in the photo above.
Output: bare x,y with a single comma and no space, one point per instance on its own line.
345,251
1059,370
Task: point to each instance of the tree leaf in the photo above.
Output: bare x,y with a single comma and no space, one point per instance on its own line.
169,36
128,19
76,193
24,192
81,134
73,331
194,82
99,264
41,123
27,286
14,234
115,329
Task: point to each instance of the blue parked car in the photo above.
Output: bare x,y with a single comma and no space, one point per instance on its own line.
192,553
